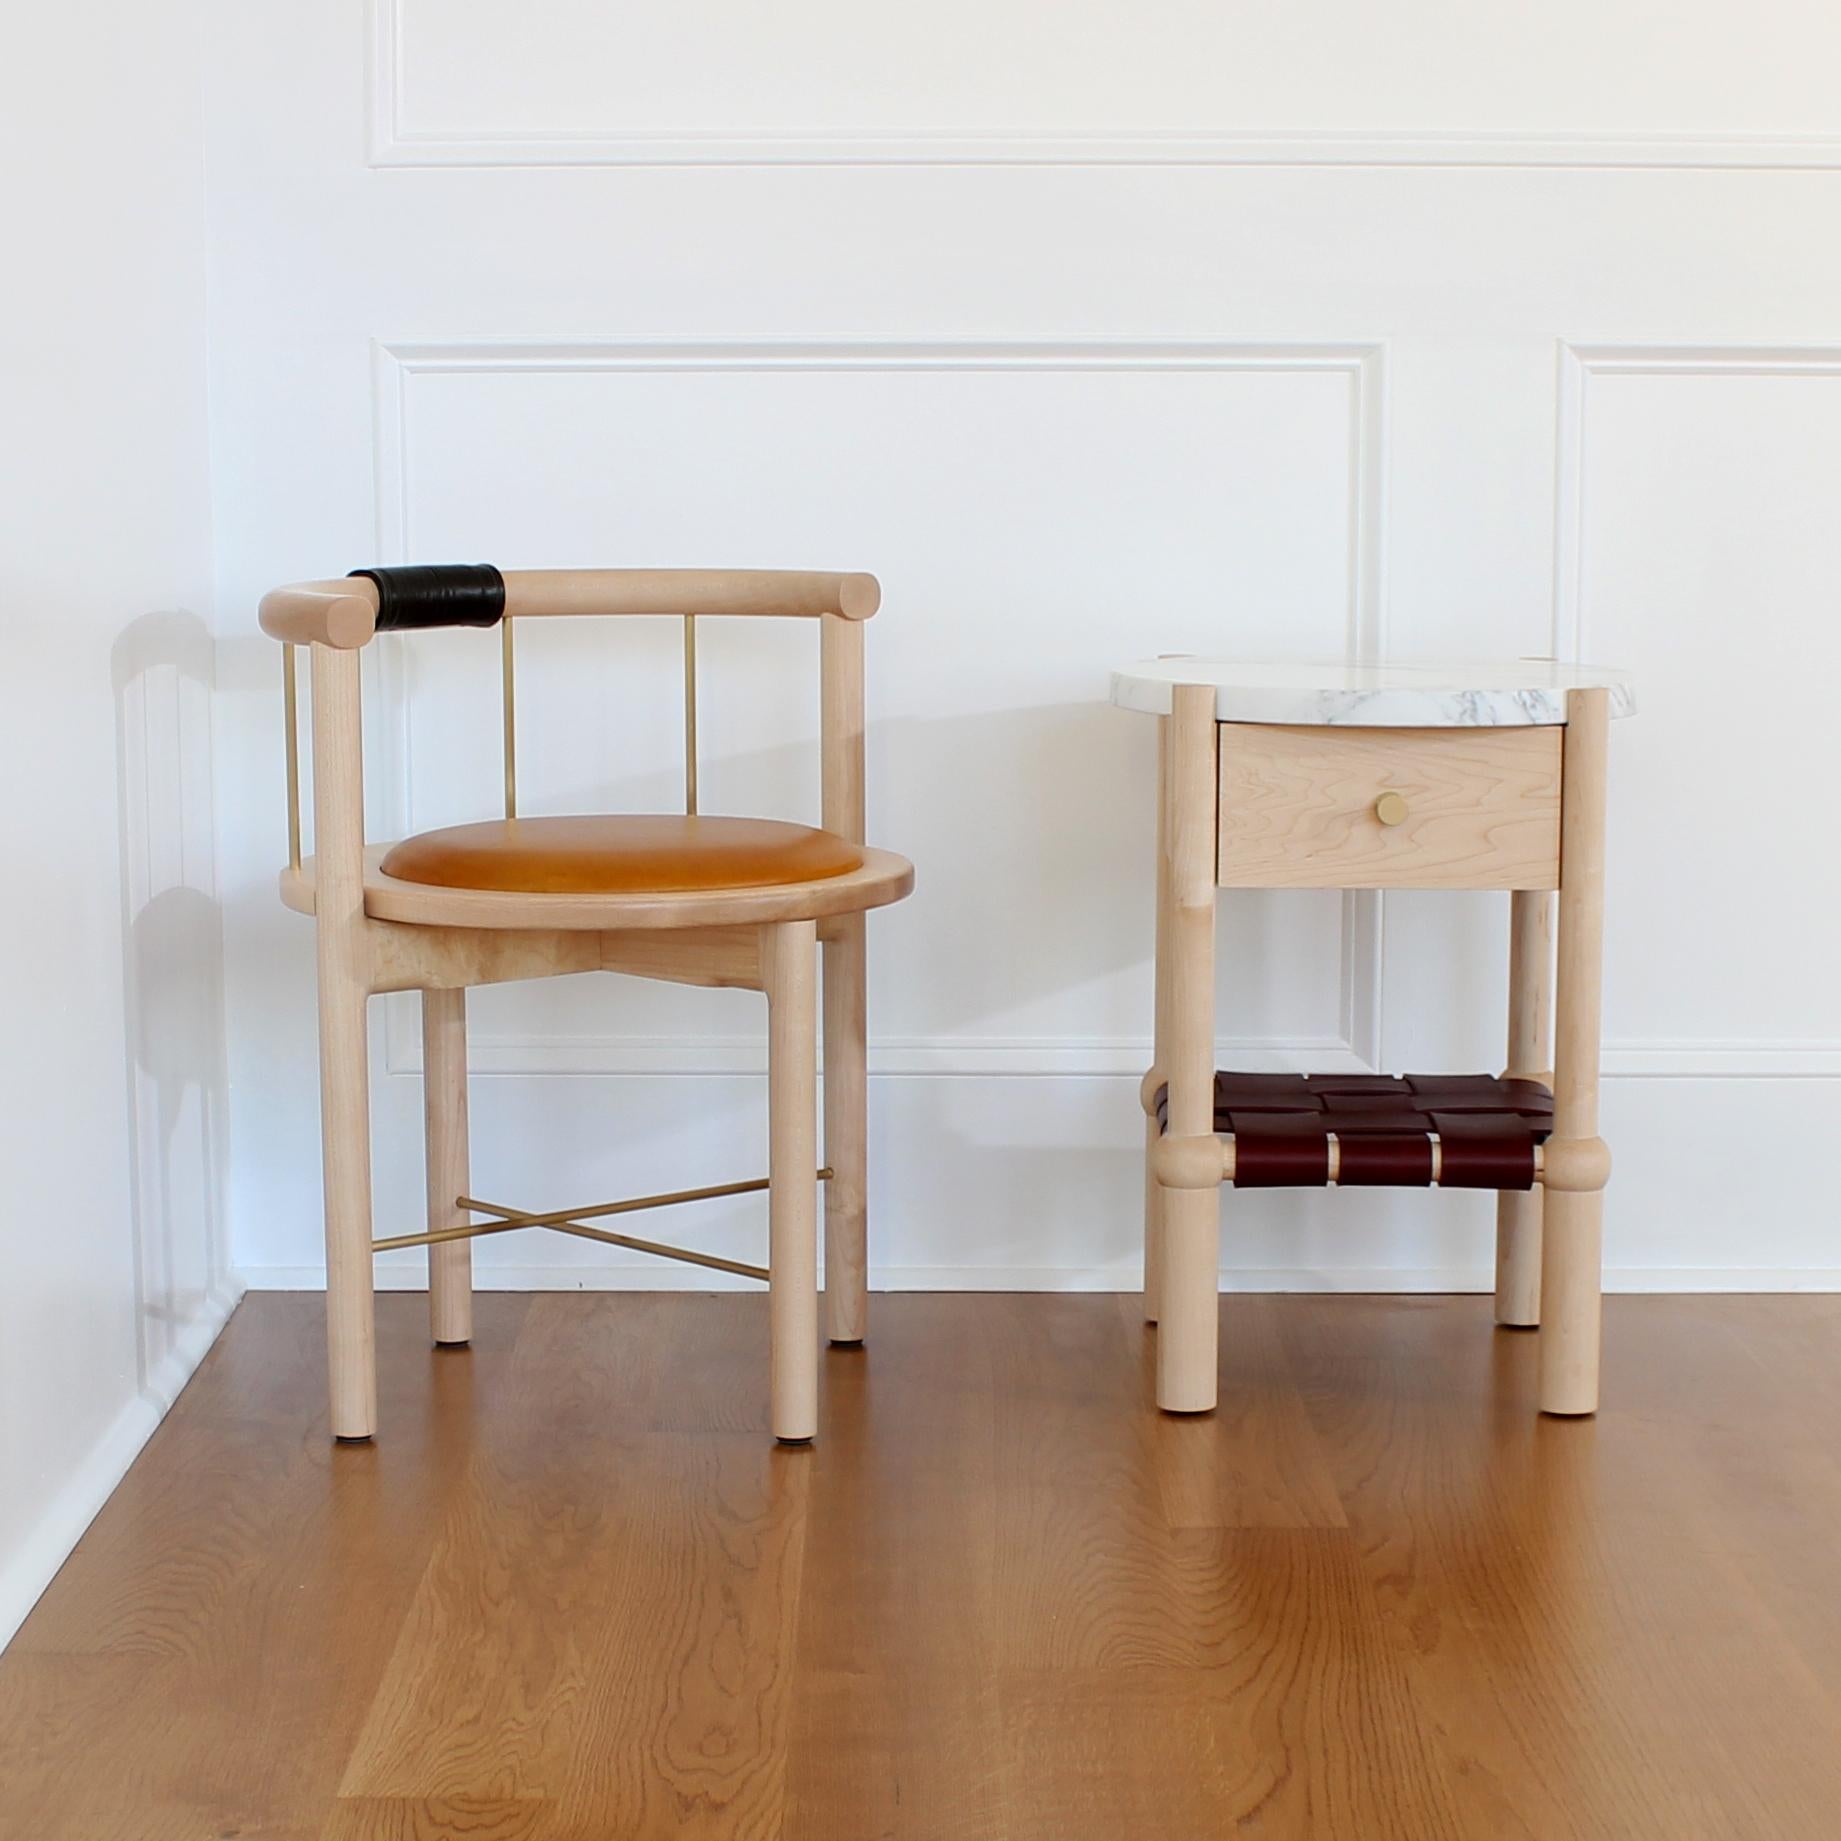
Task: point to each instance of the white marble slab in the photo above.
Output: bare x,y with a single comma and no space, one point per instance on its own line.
1516,693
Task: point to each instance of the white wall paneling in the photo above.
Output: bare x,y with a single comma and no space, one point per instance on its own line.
467,82
1151,438
1278,329
1696,531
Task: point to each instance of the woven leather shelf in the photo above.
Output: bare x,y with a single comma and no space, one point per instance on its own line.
1384,1126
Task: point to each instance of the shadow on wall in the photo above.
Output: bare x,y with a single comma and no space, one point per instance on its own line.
172,974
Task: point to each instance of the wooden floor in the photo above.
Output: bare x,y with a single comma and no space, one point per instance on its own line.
575,1592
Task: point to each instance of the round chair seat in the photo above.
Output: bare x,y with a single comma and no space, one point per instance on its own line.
620,854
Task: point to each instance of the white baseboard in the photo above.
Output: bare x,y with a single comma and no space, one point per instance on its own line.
26,1573
1400,1279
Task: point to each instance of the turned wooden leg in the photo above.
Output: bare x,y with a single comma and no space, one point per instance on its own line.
1518,1211
1153,1194
1571,1258
846,1134
1518,1257
345,1083
788,952
444,1105
345,1133
1190,1218
840,670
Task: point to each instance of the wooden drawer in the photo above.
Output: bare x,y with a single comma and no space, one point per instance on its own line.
1471,808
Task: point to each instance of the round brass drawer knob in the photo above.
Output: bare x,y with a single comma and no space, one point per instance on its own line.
1390,809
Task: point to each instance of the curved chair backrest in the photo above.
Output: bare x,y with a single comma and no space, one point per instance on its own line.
344,614
337,618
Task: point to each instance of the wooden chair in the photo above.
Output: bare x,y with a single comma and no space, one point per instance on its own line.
685,898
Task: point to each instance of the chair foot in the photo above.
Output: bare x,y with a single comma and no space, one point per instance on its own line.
795,1444
455,1342
361,1438
846,1342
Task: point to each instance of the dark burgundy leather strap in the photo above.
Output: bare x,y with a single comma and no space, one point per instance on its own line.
1484,1150
1279,1150
1392,1159
1384,1126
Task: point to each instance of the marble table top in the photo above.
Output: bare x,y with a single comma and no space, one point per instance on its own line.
1521,693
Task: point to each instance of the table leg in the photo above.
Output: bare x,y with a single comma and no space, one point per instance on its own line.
1518,1211
1190,1218
1571,1256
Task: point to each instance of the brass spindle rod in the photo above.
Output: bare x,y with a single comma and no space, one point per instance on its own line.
690,715
631,1206
563,1221
436,1236
513,1221
290,729
508,701
631,1242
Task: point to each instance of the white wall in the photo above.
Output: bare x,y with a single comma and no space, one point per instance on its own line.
111,1084
1096,331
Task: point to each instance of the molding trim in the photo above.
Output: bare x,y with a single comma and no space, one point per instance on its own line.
1070,1057
1104,1278
394,144
1579,363
1687,1057
63,1520
1717,1058
895,1057
395,364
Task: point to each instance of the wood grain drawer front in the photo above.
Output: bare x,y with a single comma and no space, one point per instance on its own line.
1390,808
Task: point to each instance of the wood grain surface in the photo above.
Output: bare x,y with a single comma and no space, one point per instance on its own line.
1475,808
574,1590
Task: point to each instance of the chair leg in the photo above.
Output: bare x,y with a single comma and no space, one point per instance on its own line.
444,1106
345,1132
846,1134
788,952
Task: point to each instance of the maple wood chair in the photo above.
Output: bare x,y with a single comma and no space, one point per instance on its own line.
681,897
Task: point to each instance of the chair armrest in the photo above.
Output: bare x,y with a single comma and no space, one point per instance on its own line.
341,614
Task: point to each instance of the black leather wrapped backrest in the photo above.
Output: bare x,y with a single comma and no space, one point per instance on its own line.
437,594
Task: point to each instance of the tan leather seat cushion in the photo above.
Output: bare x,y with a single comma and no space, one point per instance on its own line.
643,854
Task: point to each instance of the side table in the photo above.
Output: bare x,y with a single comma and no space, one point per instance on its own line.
1368,777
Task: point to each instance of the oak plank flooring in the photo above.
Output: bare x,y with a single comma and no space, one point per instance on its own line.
575,1591
613,1579
1137,1649
896,1659
443,1818
1564,1595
